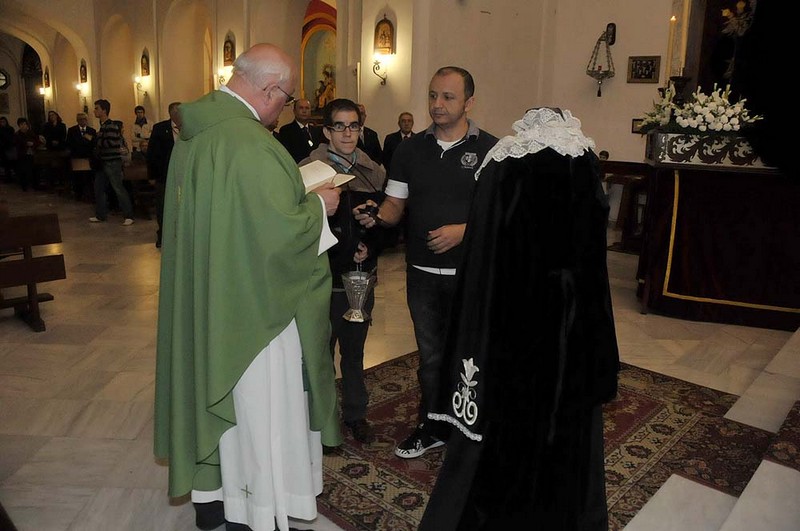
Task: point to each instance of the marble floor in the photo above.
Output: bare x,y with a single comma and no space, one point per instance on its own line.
76,401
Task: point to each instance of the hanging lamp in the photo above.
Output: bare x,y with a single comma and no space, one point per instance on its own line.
601,65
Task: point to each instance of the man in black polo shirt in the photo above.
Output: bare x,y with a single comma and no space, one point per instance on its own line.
434,172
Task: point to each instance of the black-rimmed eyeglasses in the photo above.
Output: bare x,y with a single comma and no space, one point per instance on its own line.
289,97
339,127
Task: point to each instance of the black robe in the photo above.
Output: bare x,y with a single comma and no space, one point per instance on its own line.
533,313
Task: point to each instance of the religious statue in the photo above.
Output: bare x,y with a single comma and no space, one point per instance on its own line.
384,37
145,65
228,52
327,87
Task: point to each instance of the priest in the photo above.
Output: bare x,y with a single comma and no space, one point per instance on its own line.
245,389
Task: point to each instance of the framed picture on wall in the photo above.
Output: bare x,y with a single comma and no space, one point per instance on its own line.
644,68
636,125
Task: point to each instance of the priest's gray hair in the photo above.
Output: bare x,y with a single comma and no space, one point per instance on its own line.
260,73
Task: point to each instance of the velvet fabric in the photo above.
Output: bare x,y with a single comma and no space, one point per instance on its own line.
533,315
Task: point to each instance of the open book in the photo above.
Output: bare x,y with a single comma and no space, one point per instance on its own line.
317,173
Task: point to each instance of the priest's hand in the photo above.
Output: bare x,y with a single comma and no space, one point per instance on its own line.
445,237
330,196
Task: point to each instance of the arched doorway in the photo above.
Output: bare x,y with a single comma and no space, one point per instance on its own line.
318,56
31,73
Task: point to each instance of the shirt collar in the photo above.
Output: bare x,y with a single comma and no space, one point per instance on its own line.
472,130
225,89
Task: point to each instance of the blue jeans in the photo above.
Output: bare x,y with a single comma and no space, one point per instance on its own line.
111,172
429,299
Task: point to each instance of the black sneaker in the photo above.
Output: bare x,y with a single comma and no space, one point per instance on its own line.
417,444
361,430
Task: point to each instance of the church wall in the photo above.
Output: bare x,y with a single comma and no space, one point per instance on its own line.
522,53
498,43
385,102
280,23
117,65
230,16
186,69
64,75
642,29
10,54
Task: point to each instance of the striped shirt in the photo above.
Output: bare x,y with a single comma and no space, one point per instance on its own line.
109,140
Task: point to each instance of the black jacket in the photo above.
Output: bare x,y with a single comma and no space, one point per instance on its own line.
390,143
296,141
371,145
79,146
159,150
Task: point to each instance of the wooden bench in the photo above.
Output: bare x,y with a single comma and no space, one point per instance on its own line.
141,191
630,219
18,266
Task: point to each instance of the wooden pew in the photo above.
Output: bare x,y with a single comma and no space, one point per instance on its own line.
142,192
18,266
630,219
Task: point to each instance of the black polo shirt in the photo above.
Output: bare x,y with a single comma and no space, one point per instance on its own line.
440,186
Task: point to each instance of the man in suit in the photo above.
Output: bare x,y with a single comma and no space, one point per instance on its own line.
159,149
300,137
406,122
368,140
80,142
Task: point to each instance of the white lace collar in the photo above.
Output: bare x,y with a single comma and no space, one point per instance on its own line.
539,129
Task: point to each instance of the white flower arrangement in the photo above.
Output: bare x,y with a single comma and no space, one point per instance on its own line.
702,113
661,115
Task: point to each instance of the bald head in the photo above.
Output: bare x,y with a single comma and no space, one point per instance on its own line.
262,76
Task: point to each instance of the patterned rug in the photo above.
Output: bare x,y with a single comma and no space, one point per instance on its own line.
657,426
785,447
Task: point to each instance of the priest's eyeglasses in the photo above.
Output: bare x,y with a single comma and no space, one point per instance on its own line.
289,97
339,127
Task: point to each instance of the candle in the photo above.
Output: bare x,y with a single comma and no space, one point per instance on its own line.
670,45
685,32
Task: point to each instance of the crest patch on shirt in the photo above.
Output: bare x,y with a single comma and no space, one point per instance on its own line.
469,160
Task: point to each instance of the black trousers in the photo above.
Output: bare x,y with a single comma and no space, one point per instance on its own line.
351,338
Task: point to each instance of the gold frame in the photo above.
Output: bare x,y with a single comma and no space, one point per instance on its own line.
384,37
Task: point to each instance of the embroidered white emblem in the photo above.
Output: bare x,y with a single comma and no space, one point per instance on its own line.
463,404
469,160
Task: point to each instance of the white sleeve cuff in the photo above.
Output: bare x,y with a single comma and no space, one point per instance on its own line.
326,238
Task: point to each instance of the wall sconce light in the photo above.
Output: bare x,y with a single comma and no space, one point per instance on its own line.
41,91
376,68
137,81
224,74
383,47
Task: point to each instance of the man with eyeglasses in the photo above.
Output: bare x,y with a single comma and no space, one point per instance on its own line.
356,248
245,385
300,136
434,174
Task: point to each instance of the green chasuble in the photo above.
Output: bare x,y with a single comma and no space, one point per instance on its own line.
239,262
